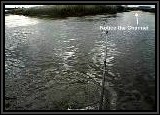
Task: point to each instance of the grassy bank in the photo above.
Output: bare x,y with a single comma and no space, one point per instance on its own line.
67,10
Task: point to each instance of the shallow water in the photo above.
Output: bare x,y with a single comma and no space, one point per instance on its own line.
58,64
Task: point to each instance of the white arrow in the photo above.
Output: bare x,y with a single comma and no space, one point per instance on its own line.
136,14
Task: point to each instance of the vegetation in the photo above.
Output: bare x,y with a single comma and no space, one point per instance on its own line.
67,10
61,11
142,8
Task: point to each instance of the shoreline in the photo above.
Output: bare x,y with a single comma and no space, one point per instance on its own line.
62,11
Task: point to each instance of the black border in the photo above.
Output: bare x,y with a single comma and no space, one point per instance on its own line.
81,2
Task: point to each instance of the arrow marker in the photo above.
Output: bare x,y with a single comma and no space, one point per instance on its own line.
136,15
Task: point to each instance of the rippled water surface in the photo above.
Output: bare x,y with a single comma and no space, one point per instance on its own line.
58,64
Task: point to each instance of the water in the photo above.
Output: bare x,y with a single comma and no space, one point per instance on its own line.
57,64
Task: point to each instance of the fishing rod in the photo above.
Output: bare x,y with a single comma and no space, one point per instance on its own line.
104,79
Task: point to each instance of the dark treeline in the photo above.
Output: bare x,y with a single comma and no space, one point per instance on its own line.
67,10
55,11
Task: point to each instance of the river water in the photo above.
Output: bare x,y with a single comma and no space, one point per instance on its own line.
57,64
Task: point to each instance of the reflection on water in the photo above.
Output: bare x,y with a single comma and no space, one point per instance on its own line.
17,20
58,64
